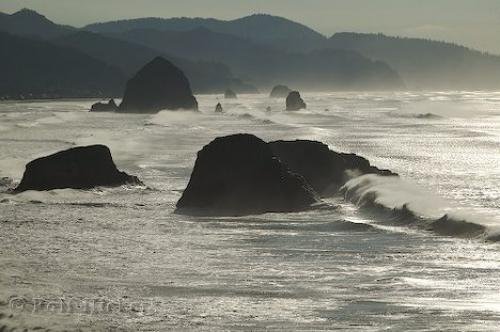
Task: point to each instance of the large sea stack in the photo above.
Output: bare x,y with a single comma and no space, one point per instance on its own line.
157,86
83,167
239,175
325,170
294,102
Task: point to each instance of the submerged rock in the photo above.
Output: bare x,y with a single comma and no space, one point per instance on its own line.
218,108
83,167
325,170
158,85
294,102
280,91
102,107
230,94
239,175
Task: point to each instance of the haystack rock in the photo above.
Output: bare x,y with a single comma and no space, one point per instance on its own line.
325,170
239,175
230,94
77,168
102,107
294,102
157,86
280,91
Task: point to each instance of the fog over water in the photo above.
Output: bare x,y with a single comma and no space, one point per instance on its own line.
349,268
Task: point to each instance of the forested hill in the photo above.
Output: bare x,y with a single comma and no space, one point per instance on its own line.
426,64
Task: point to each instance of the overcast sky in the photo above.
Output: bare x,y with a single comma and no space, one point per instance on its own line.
474,23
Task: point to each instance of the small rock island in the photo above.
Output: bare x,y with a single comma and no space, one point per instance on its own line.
294,102
82,167
102,107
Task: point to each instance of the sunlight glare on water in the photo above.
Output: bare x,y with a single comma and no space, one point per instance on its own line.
314,270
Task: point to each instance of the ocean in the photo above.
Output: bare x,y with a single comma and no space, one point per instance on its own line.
418,252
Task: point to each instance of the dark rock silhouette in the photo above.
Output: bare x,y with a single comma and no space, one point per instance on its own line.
158,85
78,168
294,102
218,108
324,169
230,94
239,175
280,91
102,107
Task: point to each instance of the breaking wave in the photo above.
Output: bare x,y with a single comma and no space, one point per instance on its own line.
394,201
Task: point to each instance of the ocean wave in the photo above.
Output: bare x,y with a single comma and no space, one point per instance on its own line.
257,117
68,196
339,225
394,201
429,116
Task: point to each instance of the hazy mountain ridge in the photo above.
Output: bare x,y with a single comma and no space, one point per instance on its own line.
125,58
28,22
277,32
426,64
422,64
263,50
205,77
266,66
33,68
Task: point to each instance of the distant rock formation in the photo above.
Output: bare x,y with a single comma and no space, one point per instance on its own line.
158,85
239,175
230,94
280,91
102,107
77,168
325,170
218,108
294,102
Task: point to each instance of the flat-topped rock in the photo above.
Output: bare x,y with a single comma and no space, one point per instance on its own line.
159,85
83,167
239,175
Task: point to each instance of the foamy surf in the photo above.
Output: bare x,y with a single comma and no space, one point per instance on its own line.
396,201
